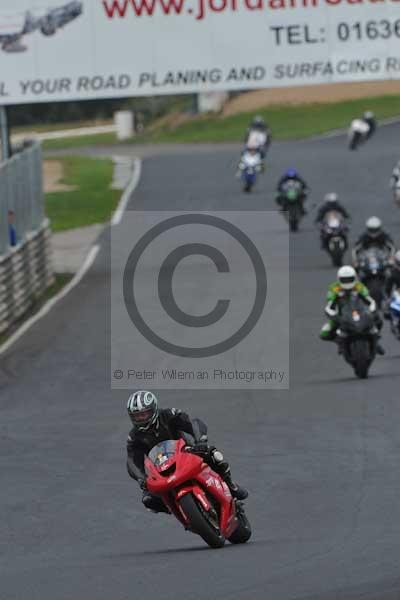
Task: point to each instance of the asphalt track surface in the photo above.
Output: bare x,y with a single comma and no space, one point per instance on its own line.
321,461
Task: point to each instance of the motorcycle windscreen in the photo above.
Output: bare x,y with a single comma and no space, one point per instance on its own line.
161,453
356,316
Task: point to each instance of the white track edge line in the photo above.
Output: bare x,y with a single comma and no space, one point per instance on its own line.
117,217
90,258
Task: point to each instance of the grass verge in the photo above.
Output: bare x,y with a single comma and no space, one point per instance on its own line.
287,122
93,201
60,281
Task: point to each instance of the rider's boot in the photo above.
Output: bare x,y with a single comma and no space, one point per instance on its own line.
153,503
222,467
380,350
238,492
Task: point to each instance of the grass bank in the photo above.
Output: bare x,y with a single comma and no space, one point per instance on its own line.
287,122
92,201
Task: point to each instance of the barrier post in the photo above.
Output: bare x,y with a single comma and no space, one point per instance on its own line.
4,134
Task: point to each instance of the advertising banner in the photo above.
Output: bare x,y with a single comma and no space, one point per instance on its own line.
83,49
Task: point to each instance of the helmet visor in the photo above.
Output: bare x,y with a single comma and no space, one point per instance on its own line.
350,279
142,417
347,283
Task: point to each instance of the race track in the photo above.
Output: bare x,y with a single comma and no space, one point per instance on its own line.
321,461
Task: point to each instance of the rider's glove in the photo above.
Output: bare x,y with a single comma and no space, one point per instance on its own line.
201,445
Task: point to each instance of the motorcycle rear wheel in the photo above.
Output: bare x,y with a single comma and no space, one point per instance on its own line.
337,258
199,523
242,533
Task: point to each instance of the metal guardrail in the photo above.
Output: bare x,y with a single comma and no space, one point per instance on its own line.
21,191
25,269
25,273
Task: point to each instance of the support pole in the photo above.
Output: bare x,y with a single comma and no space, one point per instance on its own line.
4,134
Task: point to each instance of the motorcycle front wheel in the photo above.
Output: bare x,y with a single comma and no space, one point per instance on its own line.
354,141
293,218
200,522
360,357
337,257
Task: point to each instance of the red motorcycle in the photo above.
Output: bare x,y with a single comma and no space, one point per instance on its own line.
195,494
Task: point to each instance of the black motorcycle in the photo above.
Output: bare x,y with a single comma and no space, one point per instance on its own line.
291,198
357,335
334,232
372,270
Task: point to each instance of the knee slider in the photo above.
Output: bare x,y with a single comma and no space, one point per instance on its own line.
218,457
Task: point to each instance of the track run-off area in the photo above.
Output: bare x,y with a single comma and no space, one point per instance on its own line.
321,461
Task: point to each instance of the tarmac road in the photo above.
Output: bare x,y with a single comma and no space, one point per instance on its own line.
321,461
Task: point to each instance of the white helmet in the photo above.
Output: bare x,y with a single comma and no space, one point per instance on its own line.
347,277
331,197
374,226
369,115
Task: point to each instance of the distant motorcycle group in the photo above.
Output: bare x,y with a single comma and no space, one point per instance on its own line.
355,301
364,290
371,286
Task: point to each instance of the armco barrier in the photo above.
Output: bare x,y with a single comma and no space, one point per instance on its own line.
25,274
21,191
25,269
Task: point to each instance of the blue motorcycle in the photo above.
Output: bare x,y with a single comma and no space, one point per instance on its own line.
249,167
394,307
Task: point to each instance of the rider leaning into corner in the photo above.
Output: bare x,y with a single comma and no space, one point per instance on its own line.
369,119
152,425
374,237
339,293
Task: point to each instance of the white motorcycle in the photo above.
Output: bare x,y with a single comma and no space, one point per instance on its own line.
358,134
258,140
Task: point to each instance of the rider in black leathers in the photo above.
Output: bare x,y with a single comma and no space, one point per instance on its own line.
331,203
162,425
374,237
370,120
